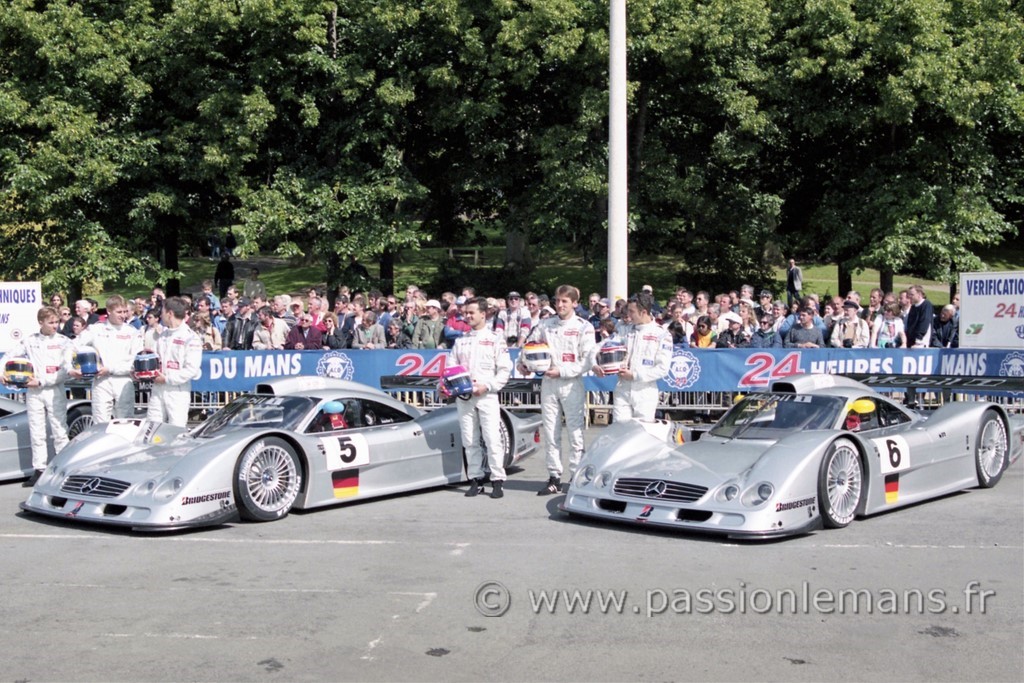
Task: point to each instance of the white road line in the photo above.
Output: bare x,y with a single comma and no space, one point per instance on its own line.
185,636
197,539
458,548
427,599
369,648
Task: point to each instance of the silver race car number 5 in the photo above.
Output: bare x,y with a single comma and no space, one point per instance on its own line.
345,450
894,453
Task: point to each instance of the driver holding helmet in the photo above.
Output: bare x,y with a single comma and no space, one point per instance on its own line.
116,343
51,355
484,353
571,342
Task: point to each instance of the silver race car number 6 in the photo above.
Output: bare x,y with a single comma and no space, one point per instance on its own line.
345,450
895,453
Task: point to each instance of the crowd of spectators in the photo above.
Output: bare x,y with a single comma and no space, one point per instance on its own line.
247,318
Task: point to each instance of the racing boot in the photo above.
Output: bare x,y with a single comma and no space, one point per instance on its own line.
474,488
553,486
497,491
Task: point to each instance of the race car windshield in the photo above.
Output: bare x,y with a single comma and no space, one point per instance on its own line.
258,412
772,416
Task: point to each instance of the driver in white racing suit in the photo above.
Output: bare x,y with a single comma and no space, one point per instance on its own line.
484,353
51,355
181,357
571,342
116,343
648,357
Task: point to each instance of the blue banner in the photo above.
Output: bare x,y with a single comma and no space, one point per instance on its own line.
691,369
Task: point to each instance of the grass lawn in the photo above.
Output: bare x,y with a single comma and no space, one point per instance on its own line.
559,265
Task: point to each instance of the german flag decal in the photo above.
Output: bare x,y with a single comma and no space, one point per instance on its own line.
346,483
892,488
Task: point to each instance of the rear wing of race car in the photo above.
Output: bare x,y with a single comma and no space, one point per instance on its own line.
938,382
421,391
421,383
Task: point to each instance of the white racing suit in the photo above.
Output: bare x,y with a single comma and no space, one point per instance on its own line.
181,361
114,393
484,353
572,344
648,357
51,359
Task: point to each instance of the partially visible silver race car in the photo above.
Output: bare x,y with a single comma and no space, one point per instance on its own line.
817,450
260,456
15,446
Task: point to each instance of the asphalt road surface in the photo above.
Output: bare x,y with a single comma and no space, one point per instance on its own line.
406,588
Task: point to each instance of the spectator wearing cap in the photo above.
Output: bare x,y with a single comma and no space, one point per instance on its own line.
656,309
602,312
733,336
851,332
764,304
514,313
429,331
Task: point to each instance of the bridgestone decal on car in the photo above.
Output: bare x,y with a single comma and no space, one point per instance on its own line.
205,498
794,504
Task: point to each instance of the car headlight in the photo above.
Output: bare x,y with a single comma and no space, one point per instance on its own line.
758,493
603,479
585,475
169,488
728,493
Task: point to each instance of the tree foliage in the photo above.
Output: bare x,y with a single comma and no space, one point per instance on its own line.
877,134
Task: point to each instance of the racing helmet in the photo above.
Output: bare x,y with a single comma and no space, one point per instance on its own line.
18,372
87,363
334,407
611,356
146,364
455,381
536,357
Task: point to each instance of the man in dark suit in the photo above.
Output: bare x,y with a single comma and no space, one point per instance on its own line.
919,319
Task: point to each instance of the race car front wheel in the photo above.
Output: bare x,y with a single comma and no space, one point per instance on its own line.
267,480
840,484
79,419
990,451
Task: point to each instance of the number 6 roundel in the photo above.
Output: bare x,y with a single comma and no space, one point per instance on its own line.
894,453
345,450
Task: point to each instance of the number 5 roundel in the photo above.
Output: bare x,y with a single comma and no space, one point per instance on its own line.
345,450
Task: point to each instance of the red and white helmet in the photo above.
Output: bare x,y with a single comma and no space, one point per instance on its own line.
611,356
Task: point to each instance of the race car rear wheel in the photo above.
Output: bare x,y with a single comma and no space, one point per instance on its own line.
508,445
267,480
840,484
990,453
79,419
